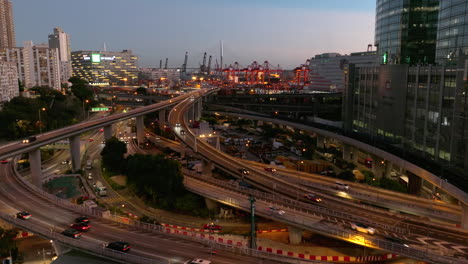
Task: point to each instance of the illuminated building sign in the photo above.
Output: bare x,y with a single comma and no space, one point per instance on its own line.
96,58
99,109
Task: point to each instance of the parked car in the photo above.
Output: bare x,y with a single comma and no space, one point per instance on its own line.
341,186
363,228
274,211
71,233
23,215
119,246
312,197
212,227
81,226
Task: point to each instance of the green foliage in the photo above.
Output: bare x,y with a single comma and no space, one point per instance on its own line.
158,179
346,175
113,155
210,119
141,90
80,89
391,185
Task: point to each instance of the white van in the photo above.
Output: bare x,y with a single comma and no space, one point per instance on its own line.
197,261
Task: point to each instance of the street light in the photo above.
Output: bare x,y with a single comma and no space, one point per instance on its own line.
84,113
40,121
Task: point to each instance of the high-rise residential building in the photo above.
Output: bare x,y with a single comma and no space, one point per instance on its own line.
8,81
7,25
452,30
61,41
406,31
106,67
327,71
38,65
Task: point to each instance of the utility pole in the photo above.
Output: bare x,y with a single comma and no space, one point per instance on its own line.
253,239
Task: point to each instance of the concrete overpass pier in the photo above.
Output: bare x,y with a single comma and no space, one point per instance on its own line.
207,168
108,131
162,118
199,108
140,129
191,114
464,223
35,165
295,235
75,153
210,204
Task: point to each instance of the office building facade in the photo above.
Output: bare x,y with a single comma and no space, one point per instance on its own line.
452,31
61,41
106,67
406,31
8,81
327,71
37,65
7,26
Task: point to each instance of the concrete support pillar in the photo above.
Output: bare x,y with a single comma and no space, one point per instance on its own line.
295,235
347,152
191,114
210,204
182,150
207,168
108,131
140,129
464,223
388,169
35,165
75,153
320,142
199,109
162,118
217,144
414,183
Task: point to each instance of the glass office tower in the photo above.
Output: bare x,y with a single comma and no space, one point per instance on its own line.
452,33
406,31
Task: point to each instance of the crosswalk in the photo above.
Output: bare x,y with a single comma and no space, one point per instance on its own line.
113,200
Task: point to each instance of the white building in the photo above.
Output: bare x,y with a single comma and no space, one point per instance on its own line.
154,74
61,41
8,81
38,65
327,69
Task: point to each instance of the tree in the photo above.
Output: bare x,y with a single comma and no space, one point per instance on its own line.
158,179
113,155
141,90
7,242
346,175
80,89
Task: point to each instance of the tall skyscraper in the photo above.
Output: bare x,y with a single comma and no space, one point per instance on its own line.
7,26
406,31
452,30
61,41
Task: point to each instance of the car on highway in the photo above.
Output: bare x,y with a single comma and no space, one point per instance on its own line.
119,246
396,240
177,125
82,219
81,226
197,261
66,162
4,161
270,169
71,233
363,228
274,211
312,197
90,176
182,132
29,140
341,186
101,130
212,227
244,171
23,215
90,140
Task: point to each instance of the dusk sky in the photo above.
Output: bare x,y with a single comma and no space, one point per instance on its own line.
284,32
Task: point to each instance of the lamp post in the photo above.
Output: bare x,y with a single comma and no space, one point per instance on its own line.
40,121
85,101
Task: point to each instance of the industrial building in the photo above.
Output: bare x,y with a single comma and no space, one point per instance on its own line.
106,67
